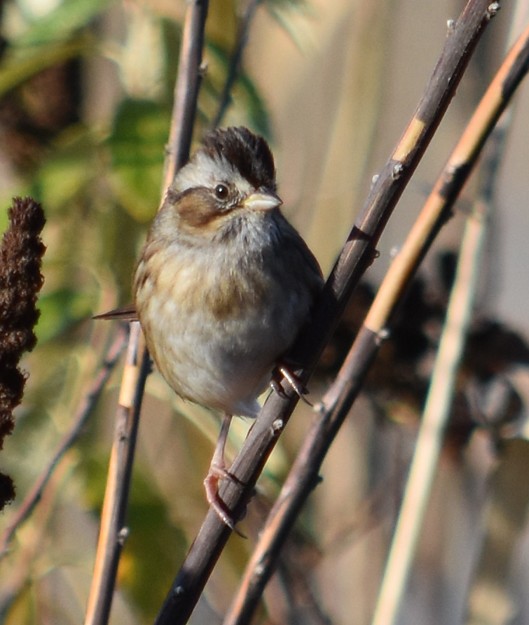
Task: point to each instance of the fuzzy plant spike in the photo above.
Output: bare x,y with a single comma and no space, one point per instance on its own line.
21,254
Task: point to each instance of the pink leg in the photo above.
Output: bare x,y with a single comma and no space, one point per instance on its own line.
217,471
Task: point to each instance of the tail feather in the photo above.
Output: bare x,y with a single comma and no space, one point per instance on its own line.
127,313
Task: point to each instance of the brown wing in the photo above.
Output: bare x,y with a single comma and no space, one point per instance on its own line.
127,313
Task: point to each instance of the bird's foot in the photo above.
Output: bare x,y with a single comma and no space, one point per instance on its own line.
215,474
217,471
282,371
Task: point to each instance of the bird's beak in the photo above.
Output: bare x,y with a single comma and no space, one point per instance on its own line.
260,201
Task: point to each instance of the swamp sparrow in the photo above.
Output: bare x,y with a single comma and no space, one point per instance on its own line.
224,282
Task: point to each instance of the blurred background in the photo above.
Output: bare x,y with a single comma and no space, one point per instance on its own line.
85,101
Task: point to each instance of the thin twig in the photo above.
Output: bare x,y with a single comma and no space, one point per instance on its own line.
435,416
340,397
84,412
236,60
442,387
113,532
187,85
356,255
22,568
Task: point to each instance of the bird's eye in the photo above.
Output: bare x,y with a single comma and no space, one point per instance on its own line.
221,191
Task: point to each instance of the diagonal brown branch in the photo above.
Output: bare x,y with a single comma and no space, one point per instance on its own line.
340,397
356,255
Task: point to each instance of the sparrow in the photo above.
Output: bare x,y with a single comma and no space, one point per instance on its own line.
224,283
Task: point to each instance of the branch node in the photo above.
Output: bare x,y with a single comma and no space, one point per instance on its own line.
492,9
123,534
260,569
277,426
397,171
319,408
382,335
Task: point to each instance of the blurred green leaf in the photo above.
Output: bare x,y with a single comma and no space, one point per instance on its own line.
4,219
257,110
59,310
16,69
246,95
137,143
67,173
60,23
155,546
283,10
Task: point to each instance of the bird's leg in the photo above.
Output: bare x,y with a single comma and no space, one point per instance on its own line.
217,471
297,386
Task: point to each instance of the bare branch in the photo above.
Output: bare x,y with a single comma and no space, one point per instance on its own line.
340,397
113,532
356,255
236,60
187,86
